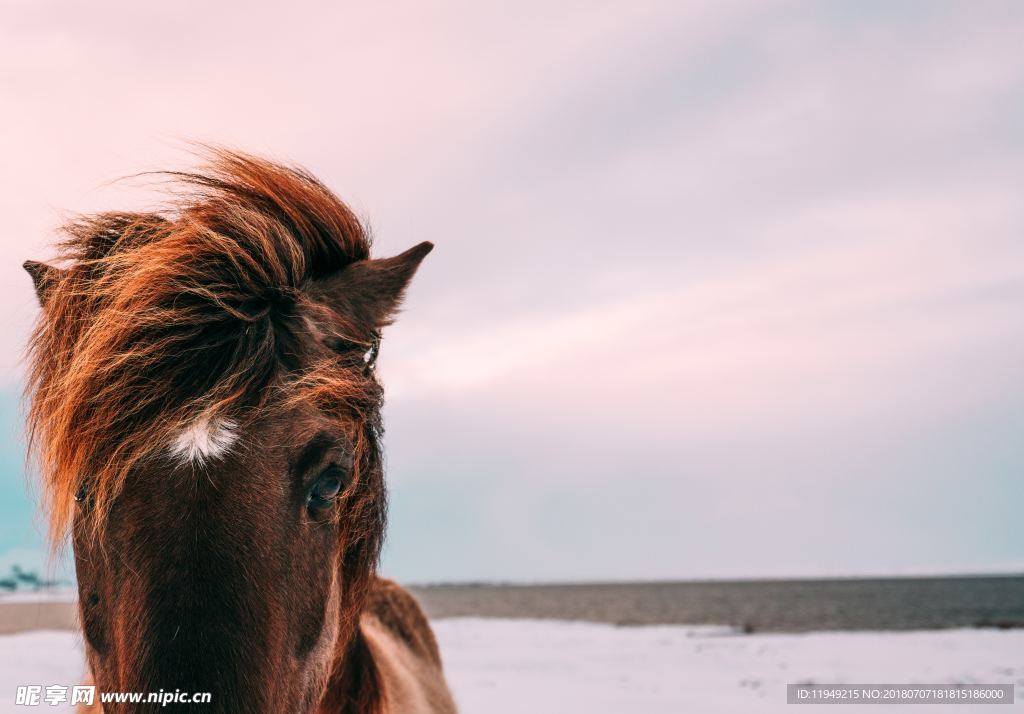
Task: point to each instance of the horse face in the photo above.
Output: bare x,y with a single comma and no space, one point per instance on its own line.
239,577
235,559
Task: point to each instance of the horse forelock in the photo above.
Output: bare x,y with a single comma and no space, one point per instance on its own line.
165,327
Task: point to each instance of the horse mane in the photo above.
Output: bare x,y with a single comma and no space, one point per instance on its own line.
162,318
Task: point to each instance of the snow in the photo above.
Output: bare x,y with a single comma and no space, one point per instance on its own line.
42,657
504,666
500,666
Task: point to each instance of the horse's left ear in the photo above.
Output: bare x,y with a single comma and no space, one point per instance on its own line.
371,291
44,277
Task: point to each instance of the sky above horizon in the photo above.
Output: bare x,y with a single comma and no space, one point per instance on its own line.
721,289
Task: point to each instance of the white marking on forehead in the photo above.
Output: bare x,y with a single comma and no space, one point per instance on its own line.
204,439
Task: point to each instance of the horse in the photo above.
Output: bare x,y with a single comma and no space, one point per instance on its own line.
205,417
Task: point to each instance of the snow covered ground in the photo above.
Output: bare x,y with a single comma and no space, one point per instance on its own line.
516,666
500,666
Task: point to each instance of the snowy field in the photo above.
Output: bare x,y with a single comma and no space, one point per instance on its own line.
516,666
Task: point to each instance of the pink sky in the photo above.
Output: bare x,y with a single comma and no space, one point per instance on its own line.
719,289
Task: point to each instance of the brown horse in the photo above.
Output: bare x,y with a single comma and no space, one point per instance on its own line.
206,418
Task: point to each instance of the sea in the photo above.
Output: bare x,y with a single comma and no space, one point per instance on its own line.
903,603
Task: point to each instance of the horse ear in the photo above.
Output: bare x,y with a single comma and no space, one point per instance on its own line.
370,291
44,277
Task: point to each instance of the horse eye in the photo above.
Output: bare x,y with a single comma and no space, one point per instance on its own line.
370,356
325,490
82,496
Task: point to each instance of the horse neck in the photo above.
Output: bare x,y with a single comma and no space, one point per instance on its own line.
355,685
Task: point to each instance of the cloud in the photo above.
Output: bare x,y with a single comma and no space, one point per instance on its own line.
702,269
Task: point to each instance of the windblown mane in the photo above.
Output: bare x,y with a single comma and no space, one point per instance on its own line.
162,318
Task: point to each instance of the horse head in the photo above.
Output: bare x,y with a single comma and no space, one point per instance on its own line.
206,417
